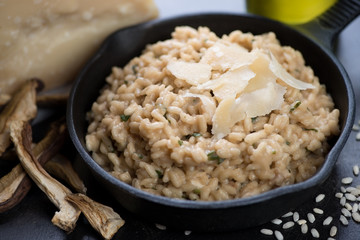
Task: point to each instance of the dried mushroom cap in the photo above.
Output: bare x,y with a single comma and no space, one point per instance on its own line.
21,107
101,217
15,185
61,167
67,216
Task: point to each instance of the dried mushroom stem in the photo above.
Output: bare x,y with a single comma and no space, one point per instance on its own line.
67,216
61,167
16,184
21,107
52,100
101,217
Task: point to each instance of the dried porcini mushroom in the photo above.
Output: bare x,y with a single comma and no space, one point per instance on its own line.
66,218
61,167
52,100
16,184
22,107
101,217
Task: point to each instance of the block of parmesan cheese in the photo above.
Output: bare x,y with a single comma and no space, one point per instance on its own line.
52,39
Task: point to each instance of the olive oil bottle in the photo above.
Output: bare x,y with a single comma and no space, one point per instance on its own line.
289,11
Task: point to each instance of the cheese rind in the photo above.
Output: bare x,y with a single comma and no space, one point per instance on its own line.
51,40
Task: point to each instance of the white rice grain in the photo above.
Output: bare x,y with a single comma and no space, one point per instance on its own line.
350,197
327,221
355,127
304,228
333,231
268,232
357,136
276,221
159,226
301,221
343,220
356,216
342,189
187,232
288,225
296,216
355,207
319,198
348,206
315,233
278,235
342,201
318,211
289,214
356,170
347,180
311,217
339,195
345,212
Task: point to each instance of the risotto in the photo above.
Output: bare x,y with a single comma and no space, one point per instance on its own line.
210,118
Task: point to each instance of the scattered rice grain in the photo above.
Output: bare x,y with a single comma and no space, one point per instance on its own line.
350,189
304,228
278,235
327,221
358,136
319,198
301,221
348,206
159,226
355,207
288,225
339,195
347,180
342,201
345,212
356,216
355,127
356,170
350,197
342,189
187,232
276,221
318,211
311,217
289,214
296,216
330,238
268,232
343,220
333,231
315,233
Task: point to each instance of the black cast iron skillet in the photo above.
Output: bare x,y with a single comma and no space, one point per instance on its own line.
127,43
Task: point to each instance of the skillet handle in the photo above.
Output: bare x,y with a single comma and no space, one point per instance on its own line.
325,28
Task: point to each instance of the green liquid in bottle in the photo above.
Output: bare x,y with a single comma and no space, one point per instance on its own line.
289,11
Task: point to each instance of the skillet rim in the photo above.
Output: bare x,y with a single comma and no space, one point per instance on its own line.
315,180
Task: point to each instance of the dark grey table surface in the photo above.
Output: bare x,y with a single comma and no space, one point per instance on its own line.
31,219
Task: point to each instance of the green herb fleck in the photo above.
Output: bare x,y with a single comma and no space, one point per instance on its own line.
159,173
133,67
140,155
196,134
126,82
253,119
274,152
296,105
310,129
212,156
124,117
196,191
287,143
180,142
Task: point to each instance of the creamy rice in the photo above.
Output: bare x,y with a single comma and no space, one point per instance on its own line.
144,131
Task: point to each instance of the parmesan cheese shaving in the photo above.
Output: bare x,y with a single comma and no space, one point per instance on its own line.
230,83
192,73
227,114
286,77
262,101
223,57
208,103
